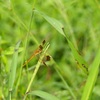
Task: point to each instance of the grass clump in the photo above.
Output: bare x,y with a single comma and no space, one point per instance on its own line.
68,69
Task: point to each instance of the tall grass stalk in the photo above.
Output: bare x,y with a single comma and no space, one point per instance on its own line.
37,68
12,73
57,68
92,77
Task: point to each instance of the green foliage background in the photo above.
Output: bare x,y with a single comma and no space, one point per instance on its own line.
81,23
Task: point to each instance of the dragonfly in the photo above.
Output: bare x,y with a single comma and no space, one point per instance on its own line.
37,52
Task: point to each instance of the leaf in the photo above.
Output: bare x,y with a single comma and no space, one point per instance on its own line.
92,77
43,95
80,61
55,23
59,27
10,50
13,67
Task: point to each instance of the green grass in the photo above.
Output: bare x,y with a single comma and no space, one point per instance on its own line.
71,27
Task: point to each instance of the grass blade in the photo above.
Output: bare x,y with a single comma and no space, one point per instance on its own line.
13,68
37,68
80,61
60,28
58,70
55,23
43,95
91,78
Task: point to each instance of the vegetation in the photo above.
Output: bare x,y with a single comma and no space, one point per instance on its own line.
66,67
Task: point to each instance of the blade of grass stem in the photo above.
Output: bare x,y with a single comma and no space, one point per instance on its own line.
92,77
26,43
13,70
65,17
43,95
60,75
37,68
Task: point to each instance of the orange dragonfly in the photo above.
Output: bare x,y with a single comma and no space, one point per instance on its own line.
37,52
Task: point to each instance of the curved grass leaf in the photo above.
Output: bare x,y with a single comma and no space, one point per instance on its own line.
55,23
43,95
92,77
60,28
